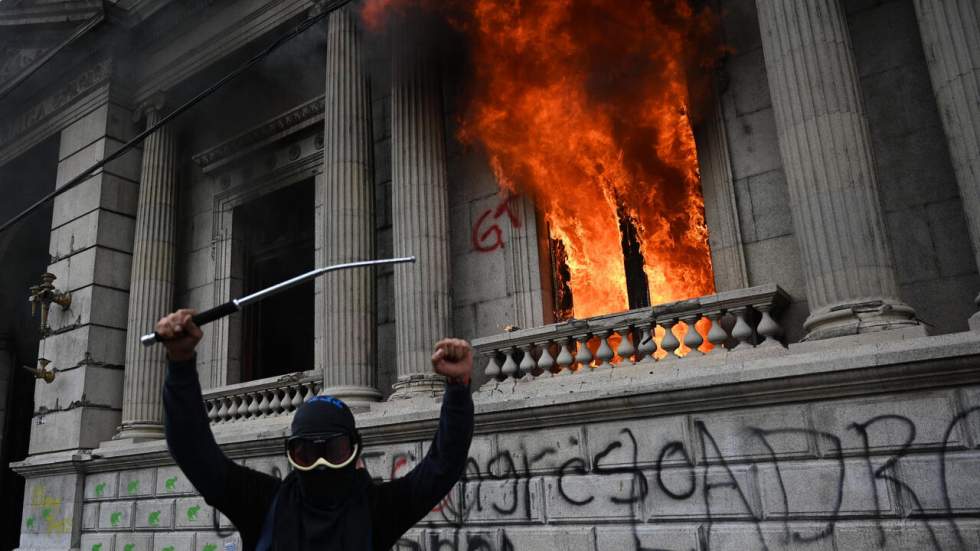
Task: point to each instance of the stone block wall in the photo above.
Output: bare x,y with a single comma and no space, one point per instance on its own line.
828,451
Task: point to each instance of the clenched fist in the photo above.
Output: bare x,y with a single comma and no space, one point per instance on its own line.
453,359
180,334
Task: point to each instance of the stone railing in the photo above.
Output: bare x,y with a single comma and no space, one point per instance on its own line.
732,320
264,398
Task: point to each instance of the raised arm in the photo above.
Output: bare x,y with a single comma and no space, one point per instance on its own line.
406,500
188,431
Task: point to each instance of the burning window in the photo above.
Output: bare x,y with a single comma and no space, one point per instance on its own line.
584,106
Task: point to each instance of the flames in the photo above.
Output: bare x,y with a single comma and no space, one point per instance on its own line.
584,105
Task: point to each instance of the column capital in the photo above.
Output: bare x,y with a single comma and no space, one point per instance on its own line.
150,108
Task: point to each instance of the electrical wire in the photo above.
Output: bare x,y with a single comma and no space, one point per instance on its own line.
326,9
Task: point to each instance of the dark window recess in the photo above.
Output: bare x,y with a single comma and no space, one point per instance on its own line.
637,286
277,241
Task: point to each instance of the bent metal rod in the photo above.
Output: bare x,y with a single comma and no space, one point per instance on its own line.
234,305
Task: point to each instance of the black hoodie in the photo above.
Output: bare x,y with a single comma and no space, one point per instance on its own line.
369,516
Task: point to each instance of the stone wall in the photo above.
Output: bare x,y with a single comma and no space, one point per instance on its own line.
919,196
873,447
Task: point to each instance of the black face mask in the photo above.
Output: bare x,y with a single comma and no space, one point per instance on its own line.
326,488
324,508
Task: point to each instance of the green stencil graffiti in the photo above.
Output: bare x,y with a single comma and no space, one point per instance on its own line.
97,547
133,486
114,518
192,512
99,490
168,548
209,547
30,523
154,518
129,547
170,483
46,513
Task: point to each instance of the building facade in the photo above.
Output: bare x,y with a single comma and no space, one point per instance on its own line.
830,400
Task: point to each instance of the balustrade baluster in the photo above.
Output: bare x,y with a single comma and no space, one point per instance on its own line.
625,350
275,407
692,339
493,368
233,409
565,358
263,409
648,346
545,362
528,364
742,330
297,397
604,353
768,328
308,392
212,408
583,355
509,370
253,406
716,335
670,343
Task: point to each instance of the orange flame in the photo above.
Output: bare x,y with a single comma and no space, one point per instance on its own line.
583,104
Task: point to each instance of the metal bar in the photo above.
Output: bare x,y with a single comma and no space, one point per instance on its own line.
235,305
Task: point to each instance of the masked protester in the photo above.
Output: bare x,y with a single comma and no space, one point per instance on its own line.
326,502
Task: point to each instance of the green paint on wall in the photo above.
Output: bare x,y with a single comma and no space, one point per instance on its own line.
114,518
133,486
209,547
97,547
192,512
129,547
99,490
45,513
30,523
168,548
170,483
154,518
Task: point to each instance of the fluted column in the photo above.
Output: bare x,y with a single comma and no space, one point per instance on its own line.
345,232
826,151
420,218
151,291
950,32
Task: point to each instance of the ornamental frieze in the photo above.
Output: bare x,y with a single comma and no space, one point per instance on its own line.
36,113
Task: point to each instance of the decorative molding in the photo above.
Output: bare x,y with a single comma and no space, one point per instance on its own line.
42,111
296,119
742,380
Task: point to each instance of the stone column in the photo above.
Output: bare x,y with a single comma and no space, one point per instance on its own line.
420,225
345,232
151,291
950,32
826,151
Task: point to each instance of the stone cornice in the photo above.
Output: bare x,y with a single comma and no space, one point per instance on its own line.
731,380
43,110
296,119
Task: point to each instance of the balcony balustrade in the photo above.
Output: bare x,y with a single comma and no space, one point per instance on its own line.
729,321
265,398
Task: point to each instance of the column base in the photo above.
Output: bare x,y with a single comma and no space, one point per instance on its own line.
356,397
136,432
853,318
427,385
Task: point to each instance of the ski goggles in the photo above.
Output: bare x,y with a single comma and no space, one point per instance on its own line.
336,450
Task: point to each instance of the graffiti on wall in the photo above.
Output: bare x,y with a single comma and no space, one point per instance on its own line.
670,473
487,234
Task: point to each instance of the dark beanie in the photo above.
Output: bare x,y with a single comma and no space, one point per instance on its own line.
322,415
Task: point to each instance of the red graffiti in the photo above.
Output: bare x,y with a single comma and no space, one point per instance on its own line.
492,238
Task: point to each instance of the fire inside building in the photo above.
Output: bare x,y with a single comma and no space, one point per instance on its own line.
718,260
